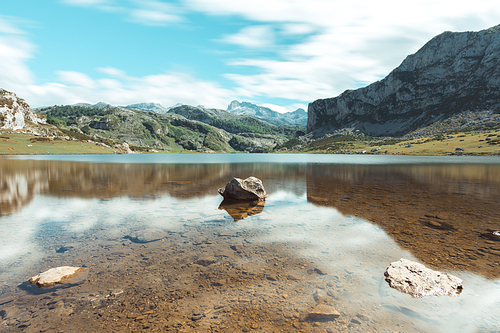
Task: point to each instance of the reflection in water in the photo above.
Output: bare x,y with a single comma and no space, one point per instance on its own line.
438,212
240,210
263,273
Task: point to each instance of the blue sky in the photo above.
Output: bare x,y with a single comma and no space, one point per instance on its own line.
279,53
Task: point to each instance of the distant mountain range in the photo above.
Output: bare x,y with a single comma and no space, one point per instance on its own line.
454,73
181,127
297,117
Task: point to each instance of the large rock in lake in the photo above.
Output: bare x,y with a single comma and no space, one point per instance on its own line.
419,281
250,189
55,276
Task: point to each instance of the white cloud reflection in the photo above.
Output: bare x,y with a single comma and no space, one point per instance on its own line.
350,250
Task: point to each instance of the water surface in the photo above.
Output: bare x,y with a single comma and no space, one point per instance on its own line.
330,227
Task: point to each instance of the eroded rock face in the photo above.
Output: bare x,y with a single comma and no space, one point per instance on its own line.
122,148
419,281
452,73
55,276
15,112
249,189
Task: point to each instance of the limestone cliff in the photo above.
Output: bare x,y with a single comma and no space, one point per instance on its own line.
452,73
16,114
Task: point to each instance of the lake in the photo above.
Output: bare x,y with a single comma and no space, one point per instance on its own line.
163,252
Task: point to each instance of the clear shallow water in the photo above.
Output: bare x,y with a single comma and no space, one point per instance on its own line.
330,226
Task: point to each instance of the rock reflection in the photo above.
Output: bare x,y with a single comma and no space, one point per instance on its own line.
241,210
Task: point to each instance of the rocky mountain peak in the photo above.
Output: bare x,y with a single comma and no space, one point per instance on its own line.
454,72
233,105
16,114
155,107
298,117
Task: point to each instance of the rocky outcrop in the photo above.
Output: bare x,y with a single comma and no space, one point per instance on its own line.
250,189
452,73
297,117
55,276
122,148
16,114
419,281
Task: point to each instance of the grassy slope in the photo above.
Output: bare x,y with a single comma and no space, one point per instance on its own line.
20,146
469,142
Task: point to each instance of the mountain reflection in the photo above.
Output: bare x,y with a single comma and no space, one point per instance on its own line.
21,180
443,214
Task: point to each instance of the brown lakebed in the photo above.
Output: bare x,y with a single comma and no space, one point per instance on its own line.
324,236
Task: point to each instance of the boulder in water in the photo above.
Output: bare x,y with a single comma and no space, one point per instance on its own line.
249,189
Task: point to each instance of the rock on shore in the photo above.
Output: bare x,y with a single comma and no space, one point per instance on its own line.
419,281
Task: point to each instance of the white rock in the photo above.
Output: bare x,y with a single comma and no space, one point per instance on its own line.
55,276
419,281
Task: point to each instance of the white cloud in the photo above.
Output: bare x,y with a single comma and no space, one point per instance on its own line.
260,36
284,109
155,13
111,71
346,44
320,48
115,87
76,79
166,89
145,12
6,27
15,50
298,28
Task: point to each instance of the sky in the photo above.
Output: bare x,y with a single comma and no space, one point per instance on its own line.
282,54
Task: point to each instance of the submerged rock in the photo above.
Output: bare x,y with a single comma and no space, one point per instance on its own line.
249,189
147,235
55,276
323,311
419,281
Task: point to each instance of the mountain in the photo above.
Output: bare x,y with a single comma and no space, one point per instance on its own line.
297,117
100,105
181,128
453,73
232,123
154,107
16,114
